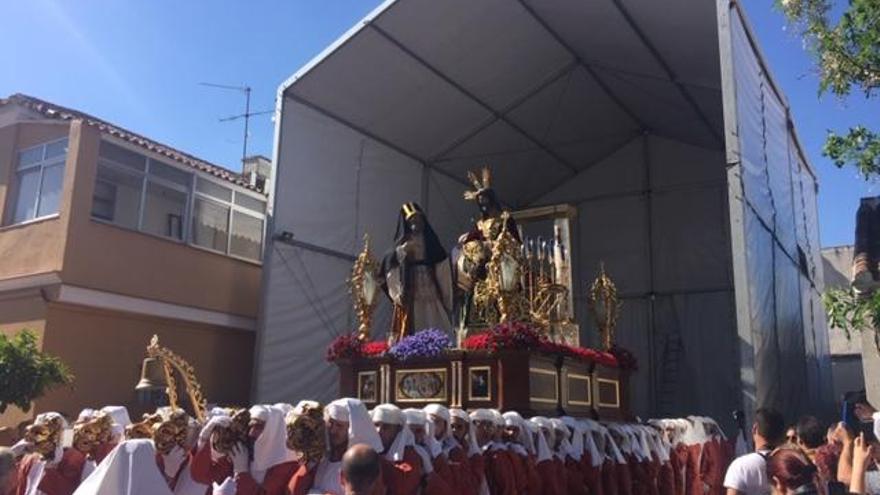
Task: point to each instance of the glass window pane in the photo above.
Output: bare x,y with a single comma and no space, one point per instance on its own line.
213,189
117,196
164,210
30,156
122,156
58,148
167,172
250,203
50,190
26,195
247,236
210,224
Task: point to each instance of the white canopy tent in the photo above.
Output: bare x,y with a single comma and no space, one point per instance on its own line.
657,120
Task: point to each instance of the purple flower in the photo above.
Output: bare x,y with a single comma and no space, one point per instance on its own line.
426,343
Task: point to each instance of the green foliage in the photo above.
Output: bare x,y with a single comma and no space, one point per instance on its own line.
860,147
852,313
844,38
26,373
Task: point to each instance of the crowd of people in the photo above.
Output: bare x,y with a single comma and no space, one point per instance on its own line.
344,448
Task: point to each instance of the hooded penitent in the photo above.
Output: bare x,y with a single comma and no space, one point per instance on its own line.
130,469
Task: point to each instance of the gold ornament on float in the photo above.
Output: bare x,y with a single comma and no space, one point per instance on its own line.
605,306
171,361
364,286
306,431
504,277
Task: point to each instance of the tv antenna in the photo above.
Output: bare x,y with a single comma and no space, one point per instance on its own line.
247,110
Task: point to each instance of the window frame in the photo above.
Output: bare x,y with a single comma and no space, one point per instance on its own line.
41,165
192,193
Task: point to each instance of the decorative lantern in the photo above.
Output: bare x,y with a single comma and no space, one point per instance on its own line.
364,286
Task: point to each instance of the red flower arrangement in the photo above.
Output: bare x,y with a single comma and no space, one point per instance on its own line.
375,348
525,337
348,346
625,359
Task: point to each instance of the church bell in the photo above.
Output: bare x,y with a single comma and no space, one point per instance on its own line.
152,376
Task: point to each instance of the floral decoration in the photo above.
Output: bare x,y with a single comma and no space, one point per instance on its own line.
349,346
424,344
522,336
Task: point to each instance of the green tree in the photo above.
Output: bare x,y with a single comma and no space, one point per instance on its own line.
844,38
26,373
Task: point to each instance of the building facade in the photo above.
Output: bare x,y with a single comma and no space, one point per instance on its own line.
107,238
846,353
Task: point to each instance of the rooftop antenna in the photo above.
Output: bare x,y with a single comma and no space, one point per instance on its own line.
247,110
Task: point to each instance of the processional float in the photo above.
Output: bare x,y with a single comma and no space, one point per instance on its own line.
506,281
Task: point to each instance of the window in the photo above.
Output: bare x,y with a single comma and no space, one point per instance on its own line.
117,196
164,211
144,194
38,181
247,236
210,224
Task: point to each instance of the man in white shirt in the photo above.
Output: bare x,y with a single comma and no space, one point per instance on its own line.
747,475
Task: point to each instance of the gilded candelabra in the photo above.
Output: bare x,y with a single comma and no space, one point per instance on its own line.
605,306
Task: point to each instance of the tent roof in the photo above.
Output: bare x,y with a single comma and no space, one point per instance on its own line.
539,89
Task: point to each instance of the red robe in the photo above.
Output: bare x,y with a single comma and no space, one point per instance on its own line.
592,475
520,472
404,477
624,479
679,464
477,464
610,485
638,475
206,471
102,451
465,480
500,474
60,479
575,477
553,479
712,468
304,477
693,480
274,483
653,466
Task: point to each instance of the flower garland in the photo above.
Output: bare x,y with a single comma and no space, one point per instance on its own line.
424,344
434,342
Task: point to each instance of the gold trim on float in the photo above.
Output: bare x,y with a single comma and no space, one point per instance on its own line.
442,371
555,376
484,398
589,380
616,383
363,374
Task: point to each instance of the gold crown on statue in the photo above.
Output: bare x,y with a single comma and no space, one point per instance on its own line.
481,184
409,209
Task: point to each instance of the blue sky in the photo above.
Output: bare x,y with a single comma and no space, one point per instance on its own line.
138,64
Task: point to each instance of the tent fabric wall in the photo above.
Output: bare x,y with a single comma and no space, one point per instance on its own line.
619,107
776,197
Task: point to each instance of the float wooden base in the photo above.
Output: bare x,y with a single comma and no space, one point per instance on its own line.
531,383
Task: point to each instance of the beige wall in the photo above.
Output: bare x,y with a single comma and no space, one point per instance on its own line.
105,350
36,247
20,310
114,259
